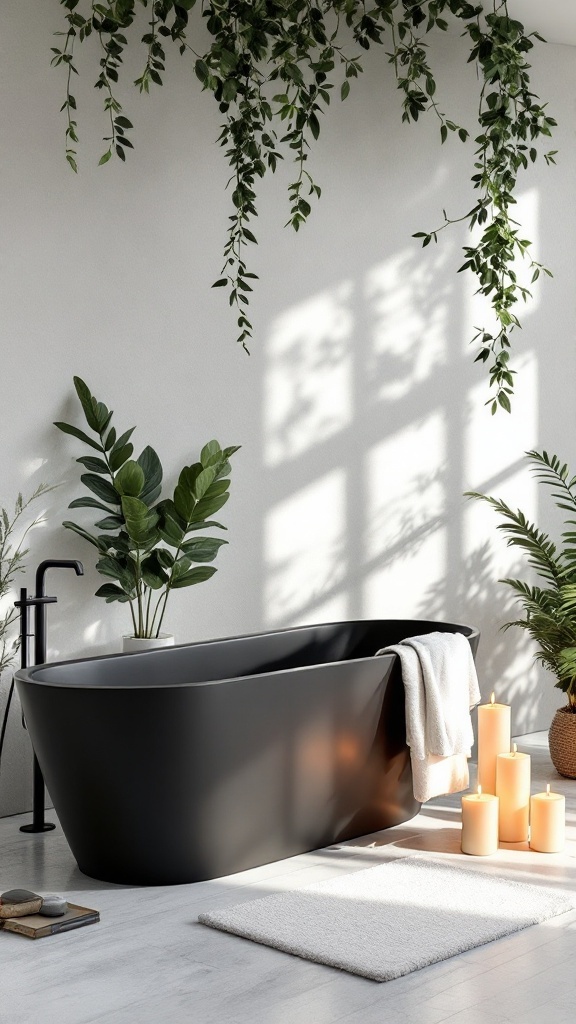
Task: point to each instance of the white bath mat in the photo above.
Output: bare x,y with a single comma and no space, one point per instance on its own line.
389,920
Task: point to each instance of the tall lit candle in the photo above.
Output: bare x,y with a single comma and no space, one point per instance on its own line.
479,824
493,739
547,822
513,791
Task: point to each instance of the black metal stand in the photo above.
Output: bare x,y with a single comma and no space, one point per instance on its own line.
39,603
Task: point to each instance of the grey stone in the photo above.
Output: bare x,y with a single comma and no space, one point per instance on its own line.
18,896
53,906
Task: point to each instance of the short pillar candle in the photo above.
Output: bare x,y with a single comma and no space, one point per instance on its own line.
513,791
479,824
547,822
493,739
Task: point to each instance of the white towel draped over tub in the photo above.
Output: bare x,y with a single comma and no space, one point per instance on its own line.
441,687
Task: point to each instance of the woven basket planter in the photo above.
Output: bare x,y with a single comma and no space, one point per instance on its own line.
562,741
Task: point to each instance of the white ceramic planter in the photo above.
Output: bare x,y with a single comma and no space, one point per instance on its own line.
139,643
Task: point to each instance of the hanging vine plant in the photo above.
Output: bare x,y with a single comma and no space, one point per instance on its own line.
273,66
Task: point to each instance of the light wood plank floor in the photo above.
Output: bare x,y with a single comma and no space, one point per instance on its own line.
149,961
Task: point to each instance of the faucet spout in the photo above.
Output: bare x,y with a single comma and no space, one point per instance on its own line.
55,563
40,610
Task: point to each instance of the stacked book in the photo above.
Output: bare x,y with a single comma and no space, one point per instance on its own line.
26,913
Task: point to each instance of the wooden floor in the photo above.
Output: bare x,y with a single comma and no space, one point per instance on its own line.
150,962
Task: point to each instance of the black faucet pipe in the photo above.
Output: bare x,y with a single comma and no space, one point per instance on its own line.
39,602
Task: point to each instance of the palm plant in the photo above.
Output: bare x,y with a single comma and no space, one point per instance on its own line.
550,608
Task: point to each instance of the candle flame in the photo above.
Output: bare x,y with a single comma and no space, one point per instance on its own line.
492,697
548,789
479,790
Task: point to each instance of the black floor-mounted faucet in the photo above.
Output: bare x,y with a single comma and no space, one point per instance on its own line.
39,603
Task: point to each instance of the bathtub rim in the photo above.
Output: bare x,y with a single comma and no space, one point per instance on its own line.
31,674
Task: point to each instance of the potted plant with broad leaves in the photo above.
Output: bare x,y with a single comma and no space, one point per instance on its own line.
550,607
147,547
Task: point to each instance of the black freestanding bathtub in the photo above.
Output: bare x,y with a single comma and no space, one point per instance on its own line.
193,762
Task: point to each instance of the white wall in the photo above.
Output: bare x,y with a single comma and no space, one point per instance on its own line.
360,411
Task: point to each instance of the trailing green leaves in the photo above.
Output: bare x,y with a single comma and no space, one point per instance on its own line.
272,67
145,547
512,122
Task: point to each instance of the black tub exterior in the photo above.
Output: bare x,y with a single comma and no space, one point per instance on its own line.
194,762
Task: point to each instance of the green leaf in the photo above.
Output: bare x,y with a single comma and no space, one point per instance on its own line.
103,416
229,60
111,592
141,522
229,90
184,502
210,453
199,575
207,506
110,523
119,456
345,89
184,497
129,480
504,401
87,502
110,439
205,525
218,487
101,488
82,533
165,557
314,125
152,468
202,549
171,532
110,566
228,452
203,481
87,402
153,573
123,439
179,569
202,71
93,464
67,428
171,526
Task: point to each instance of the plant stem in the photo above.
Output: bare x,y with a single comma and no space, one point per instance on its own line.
139,594
148,611
130,604
161,619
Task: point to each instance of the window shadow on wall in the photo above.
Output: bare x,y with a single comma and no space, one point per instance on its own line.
373,427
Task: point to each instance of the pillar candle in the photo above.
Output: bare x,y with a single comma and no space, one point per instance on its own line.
513,791
493,739
547,822
479,824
